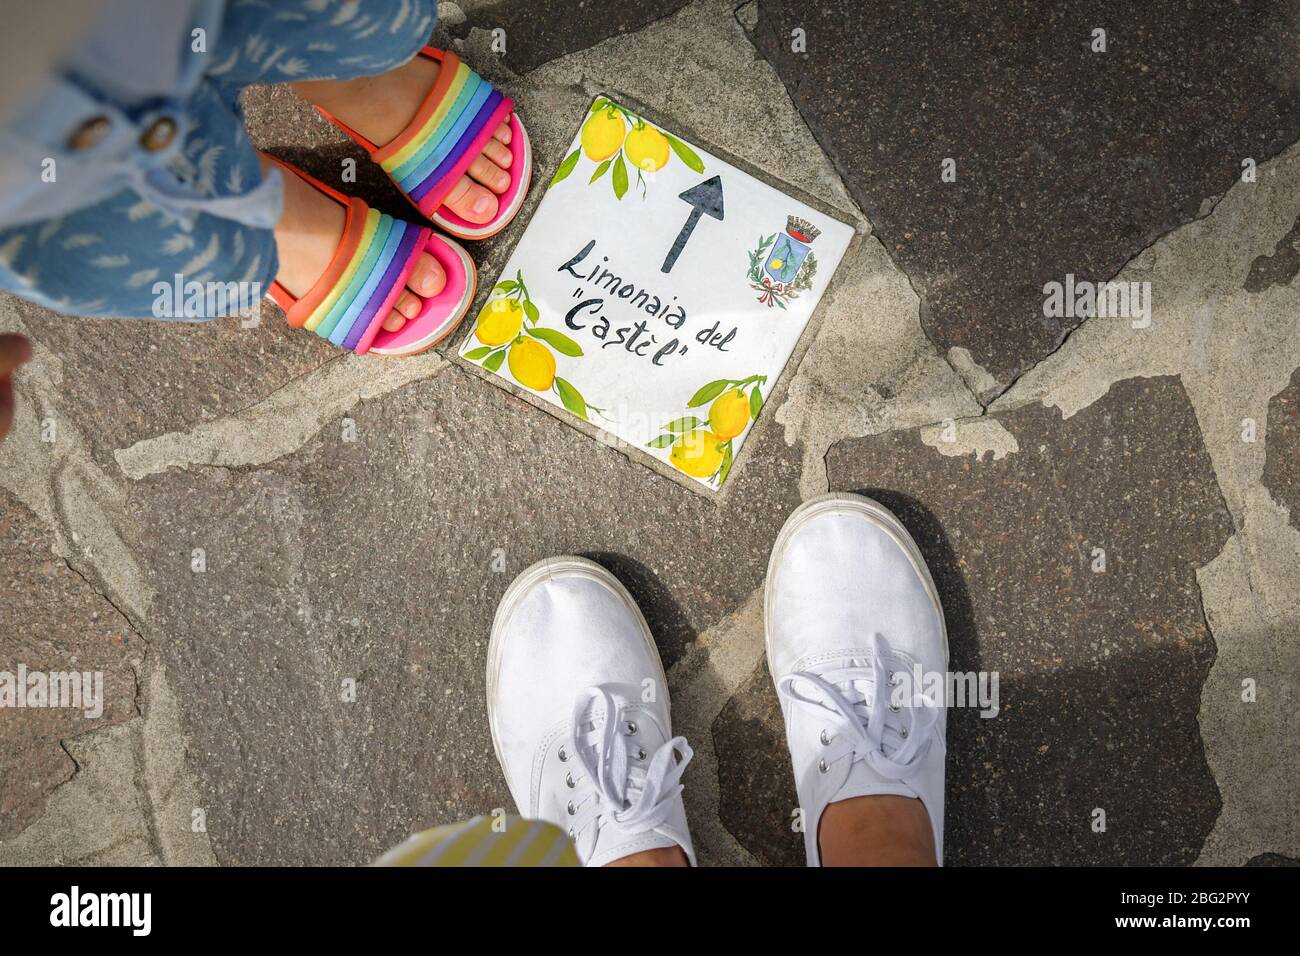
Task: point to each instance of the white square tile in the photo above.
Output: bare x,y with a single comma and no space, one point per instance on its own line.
657,292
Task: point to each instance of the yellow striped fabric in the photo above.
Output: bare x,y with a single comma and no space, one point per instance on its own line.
498,840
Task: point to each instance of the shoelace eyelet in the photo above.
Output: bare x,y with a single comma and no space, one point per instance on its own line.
572,835
823,766
902,732
572,809
826,741
894,708
568,780
640,754
630,729
562,755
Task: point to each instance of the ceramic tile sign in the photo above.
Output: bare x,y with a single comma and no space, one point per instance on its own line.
657,292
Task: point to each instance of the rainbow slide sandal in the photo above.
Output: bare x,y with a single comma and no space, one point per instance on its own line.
367,274
451,127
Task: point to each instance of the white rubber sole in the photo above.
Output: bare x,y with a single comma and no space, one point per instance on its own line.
549,567
877,514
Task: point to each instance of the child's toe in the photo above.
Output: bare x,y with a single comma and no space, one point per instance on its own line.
498,154
488,173
472,202
503,134
394,321
427,280
408,304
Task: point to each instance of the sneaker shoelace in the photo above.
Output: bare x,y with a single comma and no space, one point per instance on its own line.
636,796
854,703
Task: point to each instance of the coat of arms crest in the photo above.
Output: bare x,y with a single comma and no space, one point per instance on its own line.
784,265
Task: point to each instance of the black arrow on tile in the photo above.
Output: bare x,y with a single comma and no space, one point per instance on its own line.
704,198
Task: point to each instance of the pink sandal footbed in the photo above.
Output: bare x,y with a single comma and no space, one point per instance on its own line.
451,303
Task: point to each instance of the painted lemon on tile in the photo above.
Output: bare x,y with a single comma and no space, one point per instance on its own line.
646,148
729,414
499,322
698,453
602,135
532,364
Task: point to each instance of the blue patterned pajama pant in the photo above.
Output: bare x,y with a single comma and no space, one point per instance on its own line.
105,259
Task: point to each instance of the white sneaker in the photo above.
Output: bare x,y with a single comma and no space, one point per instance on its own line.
850,610
578,707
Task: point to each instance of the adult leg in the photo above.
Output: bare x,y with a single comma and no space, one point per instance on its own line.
578,707
852,617
876,831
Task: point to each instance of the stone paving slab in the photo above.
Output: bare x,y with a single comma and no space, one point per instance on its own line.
382,561
539,31
1282,458
1100,671
1067,160
52,620
169,375
1234,345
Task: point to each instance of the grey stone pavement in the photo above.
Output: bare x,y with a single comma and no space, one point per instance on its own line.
1019,450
